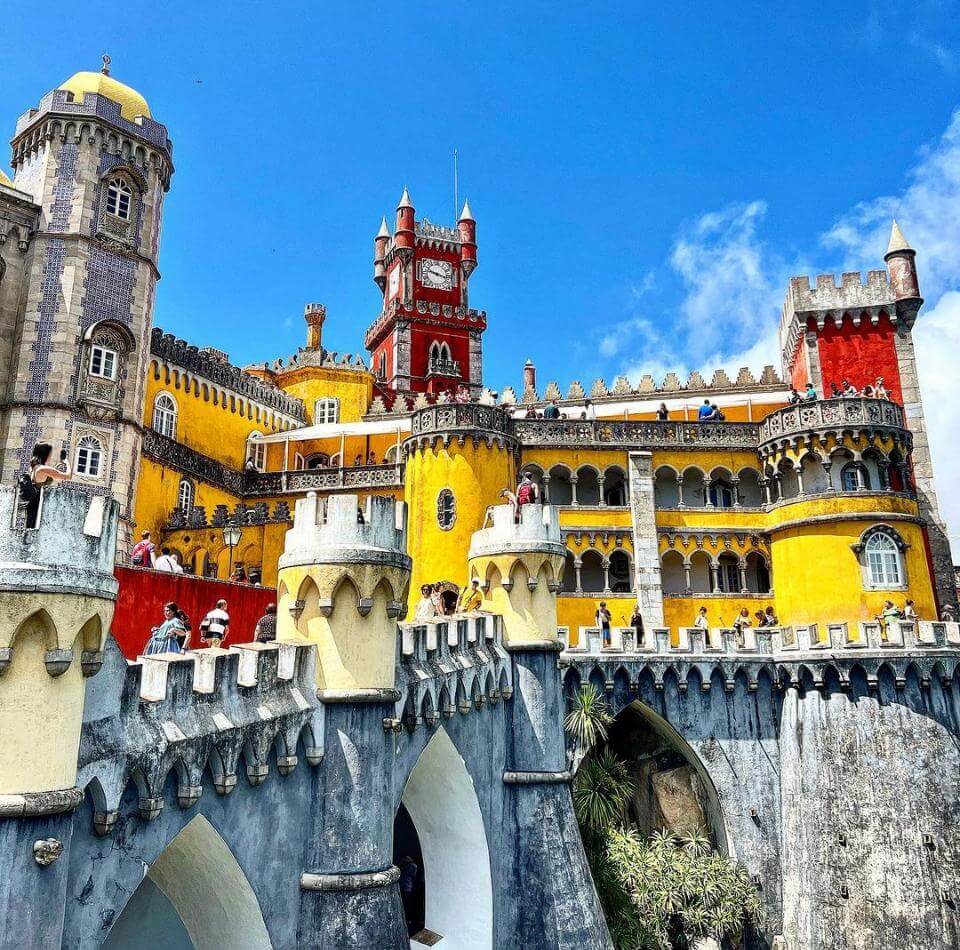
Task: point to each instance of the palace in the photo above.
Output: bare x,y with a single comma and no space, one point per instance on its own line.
268,794
826,508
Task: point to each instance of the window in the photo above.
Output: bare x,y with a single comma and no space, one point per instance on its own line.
257,451
848,477
119,198
103,361
185,495
326,411
446,509
382,366
165,416
884,561
722,494
89,457
728,575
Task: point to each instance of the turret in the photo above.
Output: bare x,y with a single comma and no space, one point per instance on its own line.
902,268
404,232
467,227
342,581
314,314
57,593
519,564
380,243
529,377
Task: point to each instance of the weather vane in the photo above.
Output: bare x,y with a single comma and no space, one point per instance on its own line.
105,69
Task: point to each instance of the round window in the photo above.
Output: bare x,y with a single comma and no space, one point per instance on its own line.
446,509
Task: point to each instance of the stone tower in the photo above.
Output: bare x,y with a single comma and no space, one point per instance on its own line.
426,338
91,167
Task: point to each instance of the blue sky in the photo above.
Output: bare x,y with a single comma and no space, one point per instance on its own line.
645,177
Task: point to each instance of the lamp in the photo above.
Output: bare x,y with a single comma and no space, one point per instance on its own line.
231,538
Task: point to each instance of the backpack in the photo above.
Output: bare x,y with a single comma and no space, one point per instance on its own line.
139,554
28,489
525,494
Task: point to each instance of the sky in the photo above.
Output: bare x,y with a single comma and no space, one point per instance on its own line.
645,177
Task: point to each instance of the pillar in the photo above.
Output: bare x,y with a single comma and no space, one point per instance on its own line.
573,490
714,577
687,579
343,584
606,575
680,503
577,564
646,554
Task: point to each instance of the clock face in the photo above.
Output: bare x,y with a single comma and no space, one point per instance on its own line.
437,275
393,288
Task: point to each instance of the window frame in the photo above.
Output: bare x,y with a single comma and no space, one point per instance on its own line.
186,498
88,458
168,427
257,450
327,403
104,351
119,199
446,508
886,568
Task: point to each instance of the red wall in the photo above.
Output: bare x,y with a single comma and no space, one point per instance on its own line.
799,376
143,593
860,354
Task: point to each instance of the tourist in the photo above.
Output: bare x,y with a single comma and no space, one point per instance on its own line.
552,411
705,412
250,466
770,618
701,622
811,394
426,610
463,394
531,413
849,390
41,474
511,500
238,576
603,618
184,638
175,561
662,413
879,390
835,390
888,615
636,621
163,639
471,597
910,612
795,397
740,623
947,614
144,553
265,630
715,414
215,626
437,597
409,872
358,460
165,562
761,620
589,412
371,458
528,492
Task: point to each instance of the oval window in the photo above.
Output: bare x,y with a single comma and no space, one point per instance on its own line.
446,509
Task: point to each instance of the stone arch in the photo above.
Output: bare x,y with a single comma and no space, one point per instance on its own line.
621,572
560,489
666,491
588,486
814,474
672,574
591,572
751,495
441,800
694,487
721,490
701,581
197,878
758,573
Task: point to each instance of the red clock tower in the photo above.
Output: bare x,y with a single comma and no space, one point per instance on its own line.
426,338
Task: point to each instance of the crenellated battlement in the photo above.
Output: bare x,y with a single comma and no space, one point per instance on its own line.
193,713
536,530
337,530
451,665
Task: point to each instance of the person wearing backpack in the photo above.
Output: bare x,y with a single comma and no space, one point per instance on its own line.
144,553
31,484
214,627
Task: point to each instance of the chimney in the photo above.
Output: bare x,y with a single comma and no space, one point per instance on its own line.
314,314
529,377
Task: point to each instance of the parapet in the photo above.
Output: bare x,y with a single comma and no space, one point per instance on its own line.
71,551
337,530
537,530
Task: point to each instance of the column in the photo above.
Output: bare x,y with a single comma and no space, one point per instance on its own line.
546,489
573,490
606,575
714,578
601,478
687,580
680,503
742,571
800,486
828,471
765,487
735,482
577,564
646,554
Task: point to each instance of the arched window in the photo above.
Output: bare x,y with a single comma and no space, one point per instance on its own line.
317,460
165,415
382,366
446,509
185,495
326,410
884,561
722,494
89,460
849,479
104,358
119,199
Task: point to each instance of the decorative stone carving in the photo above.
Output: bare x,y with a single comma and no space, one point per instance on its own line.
46,851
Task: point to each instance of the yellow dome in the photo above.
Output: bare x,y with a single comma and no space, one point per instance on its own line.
131,102
5,180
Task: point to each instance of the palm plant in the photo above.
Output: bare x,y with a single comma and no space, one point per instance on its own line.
601,791
588,721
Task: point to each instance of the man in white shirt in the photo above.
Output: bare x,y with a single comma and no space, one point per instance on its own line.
214,627
166,562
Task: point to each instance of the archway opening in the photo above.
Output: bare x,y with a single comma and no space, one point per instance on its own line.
195,896
408,857
444,817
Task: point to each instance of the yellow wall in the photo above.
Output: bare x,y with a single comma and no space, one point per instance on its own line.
476,475
354,389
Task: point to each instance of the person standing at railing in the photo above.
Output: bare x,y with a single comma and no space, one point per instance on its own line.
910,612
144,553
603,618
426,609
879,390
215,626
165,638
589,412
701,622
40,475
471,597
266,629
888,615
528,491
636,621
811,394
663,413
552,411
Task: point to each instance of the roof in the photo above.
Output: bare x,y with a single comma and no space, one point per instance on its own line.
130,101
5,179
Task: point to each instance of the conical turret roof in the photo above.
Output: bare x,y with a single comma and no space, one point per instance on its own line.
897,241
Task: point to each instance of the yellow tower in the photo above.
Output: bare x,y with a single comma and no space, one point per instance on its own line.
342,582
519,562
57,593
459,460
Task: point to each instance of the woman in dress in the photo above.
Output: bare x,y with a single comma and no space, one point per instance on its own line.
41,475
163,639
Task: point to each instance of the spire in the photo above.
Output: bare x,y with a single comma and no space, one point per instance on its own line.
384,230
405,201
897,241
466,214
